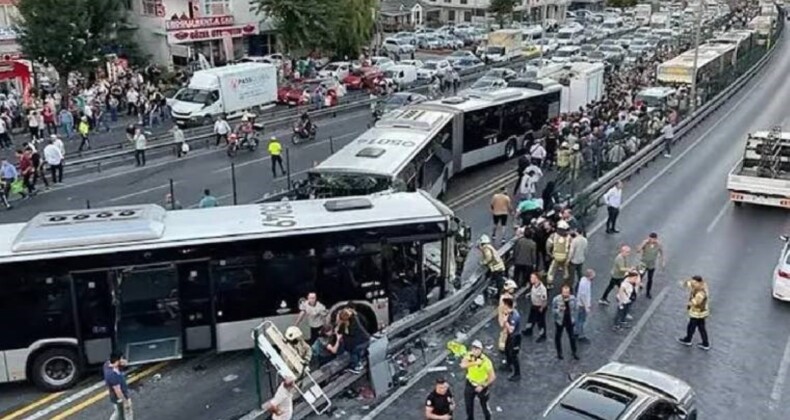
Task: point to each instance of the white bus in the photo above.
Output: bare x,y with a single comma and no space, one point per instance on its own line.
159,284
680,70
424,145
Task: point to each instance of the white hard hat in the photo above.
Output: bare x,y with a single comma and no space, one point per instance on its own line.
576,146
477,344
564,144
293,333
484,239
245,118
510,284
562,225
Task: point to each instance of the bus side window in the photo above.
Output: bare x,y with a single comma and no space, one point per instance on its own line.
289,274
481,127
239,293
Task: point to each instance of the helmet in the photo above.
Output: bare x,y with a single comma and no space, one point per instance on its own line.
273,138
564,144
245,118
563,225
293,333
510,285
484,239
575,146
477,344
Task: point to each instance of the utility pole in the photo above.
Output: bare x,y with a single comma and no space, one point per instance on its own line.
697,25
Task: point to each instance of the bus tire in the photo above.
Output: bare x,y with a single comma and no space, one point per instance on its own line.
510,150
56,369
737,203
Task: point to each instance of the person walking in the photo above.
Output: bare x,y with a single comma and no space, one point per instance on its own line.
208,200
565,308
182,148
650,251
491,259
626,294
698,308
54,159
66,123
668,131
5,137
115,380
38,167
578,256
613,199
501,207
619,271
275,149
84,129
508,292
221,130
315,312
512,326
539,300
559,247
538,153
525,256
281,406
440,404
140,144
584,297
480,376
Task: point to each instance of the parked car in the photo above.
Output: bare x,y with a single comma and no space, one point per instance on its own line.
502,73
406,36
614,53
433,68
547,45
415,63
337,69
381,62
584,49
398,46
451,42
363,78
466,64
301,93
620,391
457,55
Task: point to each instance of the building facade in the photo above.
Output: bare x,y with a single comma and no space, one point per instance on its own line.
173,31
9,48
475,11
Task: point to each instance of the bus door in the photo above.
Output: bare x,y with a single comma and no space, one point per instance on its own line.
194,287
148,313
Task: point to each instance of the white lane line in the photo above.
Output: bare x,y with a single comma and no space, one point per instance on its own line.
625,344
781,377
718,217
141,192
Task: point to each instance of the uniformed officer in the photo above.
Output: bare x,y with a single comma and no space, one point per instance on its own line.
440,404
275,152
513,341
559,247
508,292
492,261
479,377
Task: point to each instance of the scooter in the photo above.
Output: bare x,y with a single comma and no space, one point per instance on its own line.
301,134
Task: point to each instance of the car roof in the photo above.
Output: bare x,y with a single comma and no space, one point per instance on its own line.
653,379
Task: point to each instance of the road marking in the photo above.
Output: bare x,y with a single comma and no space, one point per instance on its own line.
34,404
145,191
718,217
93,399
625,344
781,377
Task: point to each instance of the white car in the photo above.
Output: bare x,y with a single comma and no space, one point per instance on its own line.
415,63
381,62
781,283
434,68
566,54
338,69
398,46
457,55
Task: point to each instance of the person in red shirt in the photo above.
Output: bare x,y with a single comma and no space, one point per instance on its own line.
25,162
49,119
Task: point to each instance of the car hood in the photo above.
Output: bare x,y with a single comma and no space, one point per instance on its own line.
186,107
670,385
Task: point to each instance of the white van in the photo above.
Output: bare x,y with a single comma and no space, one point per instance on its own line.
229,90
566,54
570,35
403,75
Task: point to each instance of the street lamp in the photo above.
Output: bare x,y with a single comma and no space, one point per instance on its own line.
697,24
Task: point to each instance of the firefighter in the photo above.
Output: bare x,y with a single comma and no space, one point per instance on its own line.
295,339
508,292
492,261
559,247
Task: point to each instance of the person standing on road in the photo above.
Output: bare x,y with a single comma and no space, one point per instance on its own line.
584,297
275,152
537,153
182,148
565,308
440,404
84,129
525,257
508,292
66,123
698,308
613,199
539,300
315,313
5,137
501,207
171,203
578,255
626,294
115,380
619,271
282,405
512,326
559,247
208,200
650,250
668,131
491,259
38,167
479,377
140,144
221,130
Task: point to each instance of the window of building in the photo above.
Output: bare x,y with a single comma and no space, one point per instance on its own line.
464,1
149,7
216,7
451,15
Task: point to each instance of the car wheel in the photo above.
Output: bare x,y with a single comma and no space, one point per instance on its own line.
56,369
510,150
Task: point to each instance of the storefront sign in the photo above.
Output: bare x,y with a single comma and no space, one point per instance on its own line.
199,23
196,35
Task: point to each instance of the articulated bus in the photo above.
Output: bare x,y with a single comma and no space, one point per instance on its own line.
422,146
743,40
680,70
158,284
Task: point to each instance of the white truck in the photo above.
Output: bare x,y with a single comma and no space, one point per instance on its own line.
762,176
582,84
503,45
642,13
659,21
230,91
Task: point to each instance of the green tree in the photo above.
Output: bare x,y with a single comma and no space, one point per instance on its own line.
71,35
621,3
351,27
502,9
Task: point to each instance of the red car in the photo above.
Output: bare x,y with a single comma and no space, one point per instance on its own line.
301,93
363,78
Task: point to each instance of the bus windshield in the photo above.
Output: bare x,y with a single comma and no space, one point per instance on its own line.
329,184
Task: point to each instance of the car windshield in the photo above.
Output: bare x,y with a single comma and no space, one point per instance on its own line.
495,73
588,47
198,96
564,35
485,82
565,53
344,185
430,66
495,50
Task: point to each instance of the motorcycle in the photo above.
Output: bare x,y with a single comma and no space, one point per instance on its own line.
250,141
301,133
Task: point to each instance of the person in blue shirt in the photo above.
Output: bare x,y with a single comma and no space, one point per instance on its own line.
117,387
8,174
513,342
208,200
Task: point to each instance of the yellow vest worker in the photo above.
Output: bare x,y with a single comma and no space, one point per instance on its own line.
559,247
564,156
479,377
275,151
275,148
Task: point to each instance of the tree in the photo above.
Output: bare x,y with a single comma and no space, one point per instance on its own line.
352,26
71,35
502,9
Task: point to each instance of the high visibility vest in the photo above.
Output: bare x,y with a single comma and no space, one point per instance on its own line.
275,148
561,247
491,259
478,374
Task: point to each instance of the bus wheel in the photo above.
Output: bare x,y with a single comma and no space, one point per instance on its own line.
56,369
510,150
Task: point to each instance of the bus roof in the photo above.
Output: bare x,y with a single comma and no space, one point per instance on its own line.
474,100
148,226
386,148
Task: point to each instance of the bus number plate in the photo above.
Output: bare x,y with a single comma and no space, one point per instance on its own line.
278,215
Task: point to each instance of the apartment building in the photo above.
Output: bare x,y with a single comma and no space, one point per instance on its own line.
476,11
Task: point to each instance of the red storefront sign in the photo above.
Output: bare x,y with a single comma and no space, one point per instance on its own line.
199,23
187,36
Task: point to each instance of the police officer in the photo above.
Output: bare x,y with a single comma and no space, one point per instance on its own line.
440,404
275,151
492,261
479,377
513,341
559,247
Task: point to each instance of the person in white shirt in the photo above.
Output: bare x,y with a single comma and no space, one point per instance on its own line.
221,129
613,199
529,182
584,297
578,254
59,143
131,101
281,405
5,138
538,153
54,159
32,124
625,297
